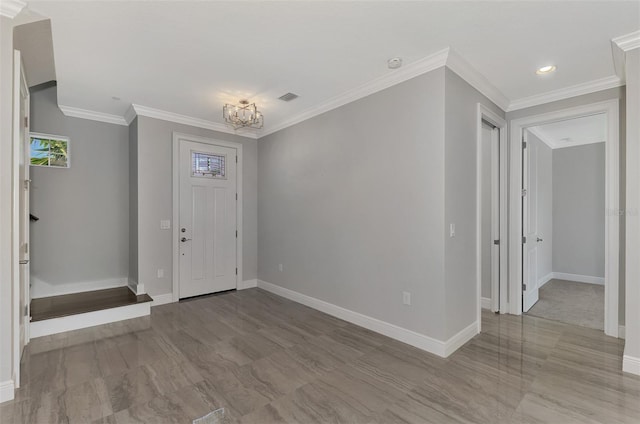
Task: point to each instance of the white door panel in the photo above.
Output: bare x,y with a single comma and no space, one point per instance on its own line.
530,226
208,217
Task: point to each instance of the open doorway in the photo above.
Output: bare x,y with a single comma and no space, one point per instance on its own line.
564,220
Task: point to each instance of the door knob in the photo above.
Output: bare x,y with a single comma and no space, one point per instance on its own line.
183,239
539,239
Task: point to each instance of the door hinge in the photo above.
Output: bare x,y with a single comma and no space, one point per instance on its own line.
524,192
26,248
524,240
26,184
524,287
496,242
26,310
524,144
26,122
236,196
236,233
236,159
236,271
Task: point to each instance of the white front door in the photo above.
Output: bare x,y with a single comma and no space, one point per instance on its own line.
207,226
529,225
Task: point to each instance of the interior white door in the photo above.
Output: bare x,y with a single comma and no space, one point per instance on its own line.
529,225
208,233
22,141
495,219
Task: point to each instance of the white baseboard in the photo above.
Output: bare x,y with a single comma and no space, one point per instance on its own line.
485,302
88,319
421,341
544,280
137,288
7,390
248,284
631,364
621,332
40,288
161,299
578,278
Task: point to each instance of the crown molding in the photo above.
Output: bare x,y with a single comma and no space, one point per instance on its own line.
457,64
542,136
130,115
10,8
185,120
565,93
422,66
628,42
553,144
92,115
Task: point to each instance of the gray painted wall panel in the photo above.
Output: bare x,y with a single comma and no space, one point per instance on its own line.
83,232
155,139
579,210
351,204
461,120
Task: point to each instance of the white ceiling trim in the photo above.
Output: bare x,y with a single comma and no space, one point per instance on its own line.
565,93
10,8
422,66
629,41
92,115
554,144
457,64
188,120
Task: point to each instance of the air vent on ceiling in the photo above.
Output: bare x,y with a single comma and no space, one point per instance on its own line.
288,97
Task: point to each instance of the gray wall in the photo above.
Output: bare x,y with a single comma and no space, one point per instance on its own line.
546,217
133,202
461,121
632,344
579,210
155,139
352,205
83,232
6,106
610,94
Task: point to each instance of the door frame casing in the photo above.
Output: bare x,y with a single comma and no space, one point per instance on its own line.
18,70
486,114
177,137
612,204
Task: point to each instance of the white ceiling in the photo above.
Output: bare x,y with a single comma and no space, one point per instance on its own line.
191,57
573,132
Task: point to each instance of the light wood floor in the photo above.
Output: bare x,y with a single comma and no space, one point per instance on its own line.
266,359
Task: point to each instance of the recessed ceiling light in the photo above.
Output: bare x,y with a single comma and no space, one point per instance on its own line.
546,69
394,63
115,98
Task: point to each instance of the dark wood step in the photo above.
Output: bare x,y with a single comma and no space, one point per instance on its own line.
80,303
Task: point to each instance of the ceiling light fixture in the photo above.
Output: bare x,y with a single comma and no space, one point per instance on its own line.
243,115
546,69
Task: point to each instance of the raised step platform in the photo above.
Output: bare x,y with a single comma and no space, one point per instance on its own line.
56,314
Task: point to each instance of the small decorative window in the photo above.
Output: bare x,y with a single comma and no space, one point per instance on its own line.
208,165
49,150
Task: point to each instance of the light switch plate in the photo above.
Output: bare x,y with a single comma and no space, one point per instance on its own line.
165,224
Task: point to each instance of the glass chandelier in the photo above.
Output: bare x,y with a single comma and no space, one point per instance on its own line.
242,115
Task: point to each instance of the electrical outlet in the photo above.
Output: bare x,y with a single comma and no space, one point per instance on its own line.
452,230
280,268
165,224
406,298
160,273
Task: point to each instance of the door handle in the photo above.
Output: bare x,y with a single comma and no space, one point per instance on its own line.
183,239
538,239
24,261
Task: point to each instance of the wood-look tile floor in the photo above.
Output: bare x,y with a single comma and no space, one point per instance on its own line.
268,360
